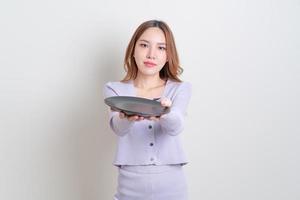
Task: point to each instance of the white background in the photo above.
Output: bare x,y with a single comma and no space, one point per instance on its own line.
242,132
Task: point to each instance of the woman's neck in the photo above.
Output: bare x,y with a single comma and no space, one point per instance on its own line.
148,82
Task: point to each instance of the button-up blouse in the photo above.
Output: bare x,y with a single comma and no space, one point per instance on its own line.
148,142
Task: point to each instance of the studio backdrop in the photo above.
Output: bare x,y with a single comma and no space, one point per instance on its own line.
242,130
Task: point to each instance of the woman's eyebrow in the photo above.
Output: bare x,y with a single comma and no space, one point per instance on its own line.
159,43
144,41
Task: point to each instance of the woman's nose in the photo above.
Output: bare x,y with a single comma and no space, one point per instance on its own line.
151,53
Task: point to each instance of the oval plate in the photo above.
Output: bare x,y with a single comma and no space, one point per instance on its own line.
136,106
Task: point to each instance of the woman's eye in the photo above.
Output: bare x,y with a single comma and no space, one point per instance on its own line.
143,45
162,48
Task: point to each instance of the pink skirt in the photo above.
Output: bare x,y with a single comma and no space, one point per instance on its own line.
151,182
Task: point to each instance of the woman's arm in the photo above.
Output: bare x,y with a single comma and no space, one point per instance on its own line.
173,122
120,126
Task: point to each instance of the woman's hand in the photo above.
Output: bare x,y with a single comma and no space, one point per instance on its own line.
130,118
165,102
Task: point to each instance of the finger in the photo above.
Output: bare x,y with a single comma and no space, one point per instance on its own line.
151,118
154,118
121,115
130,118
141,118
163,115
166,102
133,118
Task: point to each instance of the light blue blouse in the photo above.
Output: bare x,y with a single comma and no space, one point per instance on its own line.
148,142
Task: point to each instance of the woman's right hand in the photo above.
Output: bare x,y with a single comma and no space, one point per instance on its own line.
130,118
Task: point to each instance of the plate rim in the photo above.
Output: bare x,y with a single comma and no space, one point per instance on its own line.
165,109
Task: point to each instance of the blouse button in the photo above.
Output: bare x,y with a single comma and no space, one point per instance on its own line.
151,159
151,144
150,126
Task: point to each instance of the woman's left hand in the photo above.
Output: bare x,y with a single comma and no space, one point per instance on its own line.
165,102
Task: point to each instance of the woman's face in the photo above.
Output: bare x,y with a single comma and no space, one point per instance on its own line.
150,51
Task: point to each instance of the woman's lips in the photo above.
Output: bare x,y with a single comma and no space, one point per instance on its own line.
149,64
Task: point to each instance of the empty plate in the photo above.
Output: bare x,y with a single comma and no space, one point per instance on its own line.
136,106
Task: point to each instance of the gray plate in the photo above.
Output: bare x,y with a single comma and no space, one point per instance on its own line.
136,106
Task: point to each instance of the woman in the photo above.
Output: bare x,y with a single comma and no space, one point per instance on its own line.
149,151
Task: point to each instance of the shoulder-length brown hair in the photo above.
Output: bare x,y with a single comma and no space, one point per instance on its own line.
171,69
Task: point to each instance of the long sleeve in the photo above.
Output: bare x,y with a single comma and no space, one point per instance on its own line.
148,142
119,126
173,122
